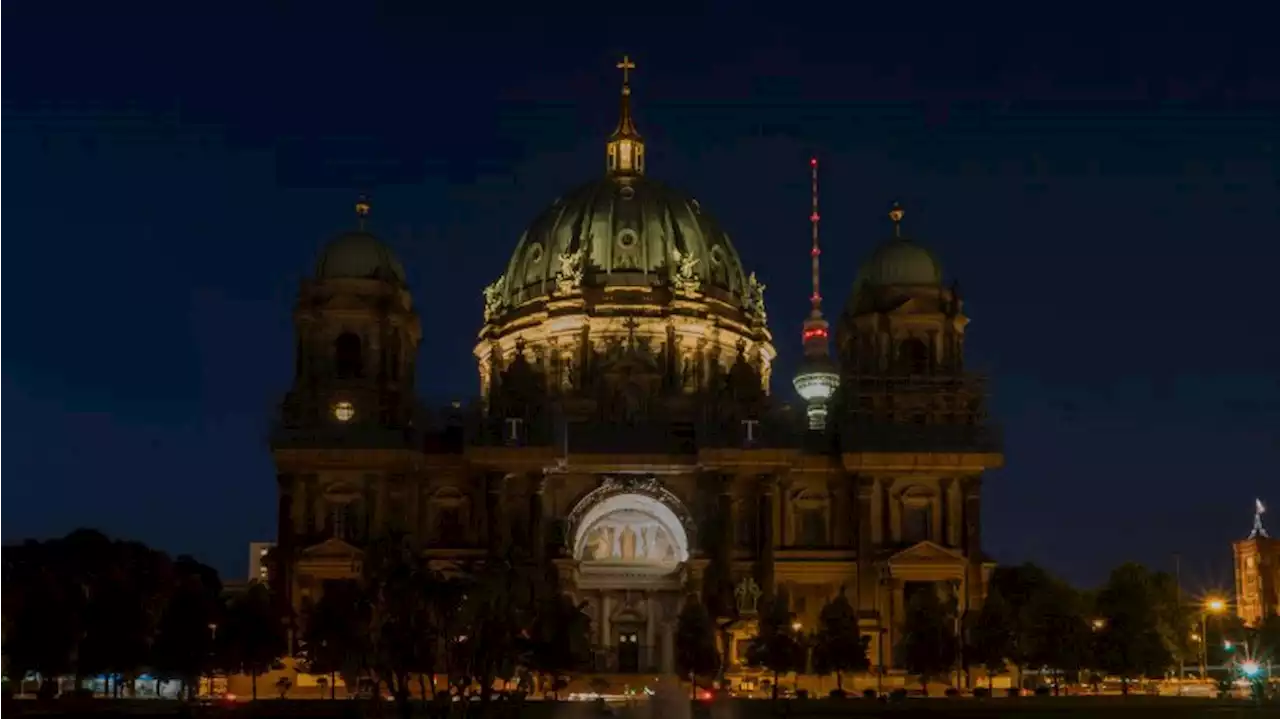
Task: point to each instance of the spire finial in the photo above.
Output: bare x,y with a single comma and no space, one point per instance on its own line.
626,66
362,210
896,214
1259,531
625,149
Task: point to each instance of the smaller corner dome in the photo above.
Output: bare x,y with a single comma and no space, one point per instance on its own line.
359,255
900,262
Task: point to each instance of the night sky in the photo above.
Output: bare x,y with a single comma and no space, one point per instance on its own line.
1106,189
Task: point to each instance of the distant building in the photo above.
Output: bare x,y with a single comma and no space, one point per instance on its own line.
1257,572
257,560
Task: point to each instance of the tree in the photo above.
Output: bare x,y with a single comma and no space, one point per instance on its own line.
1130,643
991,641
696,652
558,640
184,644
1059,635
43,613
838,645
333,640
1018,587
395,618
775,646
928,636
252,638
125,597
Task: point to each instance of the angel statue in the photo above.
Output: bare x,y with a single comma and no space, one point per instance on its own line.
685,279
493,300
755,297
569,276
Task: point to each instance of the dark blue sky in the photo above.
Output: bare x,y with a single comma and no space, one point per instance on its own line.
1107,191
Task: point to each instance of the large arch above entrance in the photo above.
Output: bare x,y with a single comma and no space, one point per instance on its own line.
631,528
631,519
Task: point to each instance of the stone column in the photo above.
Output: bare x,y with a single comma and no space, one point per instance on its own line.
606,641
650,629
668,647
972,540
944,521
768,497
784,537
725,507
868,569
537,532
494,484
724,551
380,508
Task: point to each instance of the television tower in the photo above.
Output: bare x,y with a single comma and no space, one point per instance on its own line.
818,379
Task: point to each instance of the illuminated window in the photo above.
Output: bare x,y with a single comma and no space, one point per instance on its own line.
344,411
624,155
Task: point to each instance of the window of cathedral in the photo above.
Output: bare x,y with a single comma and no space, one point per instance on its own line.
348,360
813,527
344,520
917,519
811,519
913,356
448,518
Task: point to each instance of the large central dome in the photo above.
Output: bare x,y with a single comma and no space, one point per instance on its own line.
625,265
625,231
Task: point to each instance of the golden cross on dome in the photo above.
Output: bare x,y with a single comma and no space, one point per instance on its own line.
896,214
362,209
626,66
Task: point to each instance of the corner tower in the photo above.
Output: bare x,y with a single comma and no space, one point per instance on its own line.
344,443
356,339
914,435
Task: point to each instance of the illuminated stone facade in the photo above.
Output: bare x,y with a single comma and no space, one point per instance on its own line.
626,433
1257,569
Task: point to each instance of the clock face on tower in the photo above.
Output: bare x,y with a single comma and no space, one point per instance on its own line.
344,411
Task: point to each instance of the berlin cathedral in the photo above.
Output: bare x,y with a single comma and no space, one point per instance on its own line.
629,432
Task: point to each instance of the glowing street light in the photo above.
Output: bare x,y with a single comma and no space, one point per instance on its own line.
1215,605
1250,668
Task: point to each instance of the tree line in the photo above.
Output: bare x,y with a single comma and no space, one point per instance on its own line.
1139,625
86,606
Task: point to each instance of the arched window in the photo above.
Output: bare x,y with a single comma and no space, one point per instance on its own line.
811,520
917,518
448,518
913,356
348,359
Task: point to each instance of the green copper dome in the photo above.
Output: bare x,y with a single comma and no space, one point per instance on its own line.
359,255
631,231
898,263
901,262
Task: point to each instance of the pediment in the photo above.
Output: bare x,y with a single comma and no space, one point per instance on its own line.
332,547
927,553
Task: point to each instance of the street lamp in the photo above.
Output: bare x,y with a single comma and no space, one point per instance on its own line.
1212,605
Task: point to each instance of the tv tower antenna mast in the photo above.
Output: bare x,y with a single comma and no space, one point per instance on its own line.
817,380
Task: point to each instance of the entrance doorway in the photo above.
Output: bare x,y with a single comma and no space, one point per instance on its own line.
628,652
